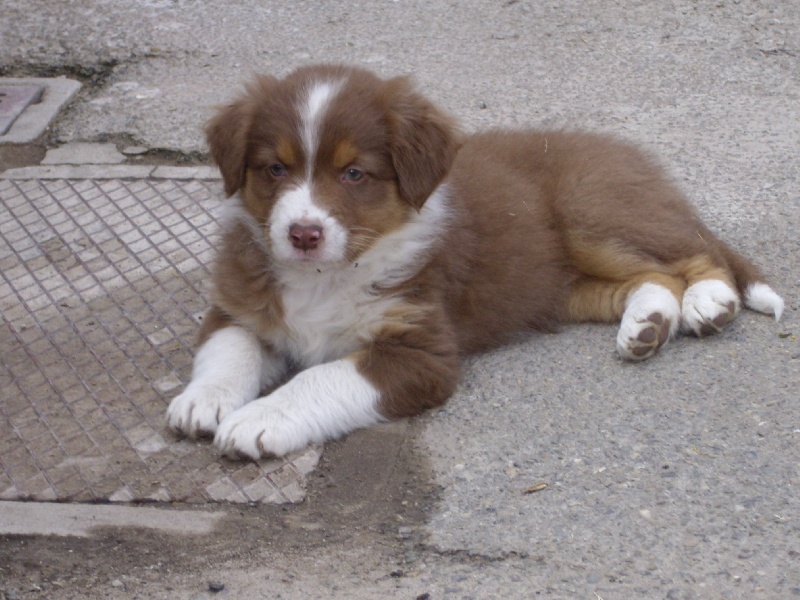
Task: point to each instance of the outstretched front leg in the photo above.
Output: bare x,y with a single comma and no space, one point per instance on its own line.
229,369
402,371
318,404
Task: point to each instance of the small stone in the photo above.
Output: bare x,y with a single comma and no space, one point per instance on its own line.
216,587
116,583
691,542
135,150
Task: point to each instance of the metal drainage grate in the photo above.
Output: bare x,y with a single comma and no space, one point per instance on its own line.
14,99
101,286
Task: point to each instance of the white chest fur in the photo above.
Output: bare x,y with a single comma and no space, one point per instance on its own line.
328,315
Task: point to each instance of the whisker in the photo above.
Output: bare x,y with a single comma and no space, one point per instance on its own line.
367,229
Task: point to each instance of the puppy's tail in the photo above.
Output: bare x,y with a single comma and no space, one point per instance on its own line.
752,285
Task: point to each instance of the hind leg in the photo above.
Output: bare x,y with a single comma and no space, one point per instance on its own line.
711,300
650,320
647,305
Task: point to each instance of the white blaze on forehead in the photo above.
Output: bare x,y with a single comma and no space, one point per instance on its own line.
297,205
319,99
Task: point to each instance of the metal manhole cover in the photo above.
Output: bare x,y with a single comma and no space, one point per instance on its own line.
101,284
14,99
24,124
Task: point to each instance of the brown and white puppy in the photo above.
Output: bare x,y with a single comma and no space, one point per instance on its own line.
369,246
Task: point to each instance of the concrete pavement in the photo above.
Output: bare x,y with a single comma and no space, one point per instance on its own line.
677,478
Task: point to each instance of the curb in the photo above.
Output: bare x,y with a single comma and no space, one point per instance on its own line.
81,520
112,172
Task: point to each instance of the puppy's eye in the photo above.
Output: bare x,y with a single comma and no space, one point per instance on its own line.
352,175
277,170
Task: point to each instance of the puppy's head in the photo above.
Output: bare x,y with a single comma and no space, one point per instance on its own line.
330,158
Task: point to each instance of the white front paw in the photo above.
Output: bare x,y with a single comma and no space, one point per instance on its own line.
263,428
200,408
708,306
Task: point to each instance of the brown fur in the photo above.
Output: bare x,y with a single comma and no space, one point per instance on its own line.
547,226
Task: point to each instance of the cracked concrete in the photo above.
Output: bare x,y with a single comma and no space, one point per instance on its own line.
677,478
157,76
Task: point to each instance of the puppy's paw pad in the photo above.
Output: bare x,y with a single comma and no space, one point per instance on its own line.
642,339
708,306
197,412
650,318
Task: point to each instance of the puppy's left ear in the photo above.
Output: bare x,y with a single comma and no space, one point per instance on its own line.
424,141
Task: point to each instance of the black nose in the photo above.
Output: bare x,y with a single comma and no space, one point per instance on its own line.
305,237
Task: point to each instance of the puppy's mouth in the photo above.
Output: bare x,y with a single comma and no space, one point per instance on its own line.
316,258
309,257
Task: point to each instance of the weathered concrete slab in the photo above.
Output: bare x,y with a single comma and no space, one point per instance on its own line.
82,153
37,117
14,99
82,520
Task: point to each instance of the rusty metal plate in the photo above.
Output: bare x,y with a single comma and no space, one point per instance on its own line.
101,286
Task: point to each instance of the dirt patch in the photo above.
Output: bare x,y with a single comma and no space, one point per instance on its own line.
371,490
13,156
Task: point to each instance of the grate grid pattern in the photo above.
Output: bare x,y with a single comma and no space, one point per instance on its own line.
101,287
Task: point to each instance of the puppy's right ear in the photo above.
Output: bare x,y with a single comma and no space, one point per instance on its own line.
227,133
